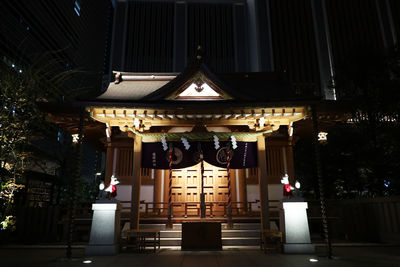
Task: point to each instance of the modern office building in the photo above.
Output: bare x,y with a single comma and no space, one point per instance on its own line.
306,39
71,33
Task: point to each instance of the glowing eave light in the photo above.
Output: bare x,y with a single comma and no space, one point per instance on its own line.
87,261
291,128
262,122
206,92
313,260
136,122
107,130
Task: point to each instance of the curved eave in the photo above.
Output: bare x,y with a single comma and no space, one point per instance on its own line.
200,104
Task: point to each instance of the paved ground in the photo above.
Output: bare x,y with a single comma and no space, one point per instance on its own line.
344,257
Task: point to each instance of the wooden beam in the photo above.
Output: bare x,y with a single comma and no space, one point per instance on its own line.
263,183
136,182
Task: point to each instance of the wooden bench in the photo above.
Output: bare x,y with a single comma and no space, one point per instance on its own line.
145,238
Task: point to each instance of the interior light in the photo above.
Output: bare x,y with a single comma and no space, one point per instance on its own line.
202,91
313,260
87,261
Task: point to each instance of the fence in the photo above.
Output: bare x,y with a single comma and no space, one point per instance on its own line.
360,220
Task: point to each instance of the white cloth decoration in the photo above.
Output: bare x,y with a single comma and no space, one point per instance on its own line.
233,141
185,143
216,141
164,143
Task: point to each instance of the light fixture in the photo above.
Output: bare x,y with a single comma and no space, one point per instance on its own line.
313,260
136,123
262,122
322,136
87,261
291,128
75,138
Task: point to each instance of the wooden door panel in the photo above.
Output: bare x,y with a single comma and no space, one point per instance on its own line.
177,195
192,194
192,177
222,194
187,187
208,177
177,178
209,194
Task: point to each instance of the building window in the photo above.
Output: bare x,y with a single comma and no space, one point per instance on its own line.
77,8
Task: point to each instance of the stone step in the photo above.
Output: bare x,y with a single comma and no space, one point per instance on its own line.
178,226
241,233
171,233
225,233
160,226
226,241
240,241
242,226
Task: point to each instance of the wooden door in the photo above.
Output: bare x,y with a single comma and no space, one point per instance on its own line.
186,188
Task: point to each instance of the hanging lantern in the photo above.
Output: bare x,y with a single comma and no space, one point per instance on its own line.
322,137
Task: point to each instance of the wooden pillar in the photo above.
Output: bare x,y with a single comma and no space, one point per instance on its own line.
157,188
263,182
290,161
109,163
242,188
233,186
166,191
136,181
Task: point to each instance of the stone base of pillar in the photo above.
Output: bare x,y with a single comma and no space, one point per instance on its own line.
105,231
295,227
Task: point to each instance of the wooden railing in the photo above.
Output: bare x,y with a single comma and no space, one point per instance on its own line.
192,209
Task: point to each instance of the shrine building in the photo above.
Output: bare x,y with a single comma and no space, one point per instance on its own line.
165,131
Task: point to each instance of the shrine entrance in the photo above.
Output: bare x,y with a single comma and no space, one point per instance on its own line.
186,190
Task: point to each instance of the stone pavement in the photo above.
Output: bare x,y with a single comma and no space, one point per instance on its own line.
344,257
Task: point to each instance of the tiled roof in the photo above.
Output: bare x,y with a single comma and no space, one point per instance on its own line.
135,86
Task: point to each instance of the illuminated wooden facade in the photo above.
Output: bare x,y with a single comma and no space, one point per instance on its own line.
141,108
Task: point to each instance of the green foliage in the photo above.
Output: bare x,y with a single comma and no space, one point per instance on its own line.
21,120
8,223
